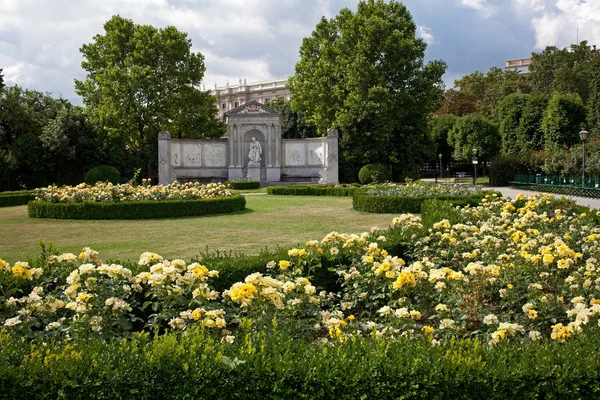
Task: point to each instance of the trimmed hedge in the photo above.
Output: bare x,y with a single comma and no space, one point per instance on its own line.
244,185
271,365
374,173
16,198
137,209
407,204
301,190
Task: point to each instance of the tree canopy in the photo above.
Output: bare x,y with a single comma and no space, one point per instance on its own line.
293,123
474,131
364,73
141,79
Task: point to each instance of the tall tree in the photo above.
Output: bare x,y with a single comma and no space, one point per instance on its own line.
490,88
364,73
566,70
439,127
457,102
510,111
1,79
563,120
594,100
530,135
141,80
474,132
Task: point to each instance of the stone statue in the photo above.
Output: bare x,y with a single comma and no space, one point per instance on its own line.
255,152
240,81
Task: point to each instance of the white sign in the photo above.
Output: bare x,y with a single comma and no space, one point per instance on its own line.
475,162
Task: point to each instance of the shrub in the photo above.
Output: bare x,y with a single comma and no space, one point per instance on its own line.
505,168
374,173
434,210
16,198
301,190
136,209
244,185
405,204
102,173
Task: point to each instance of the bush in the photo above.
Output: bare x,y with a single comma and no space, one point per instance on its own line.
434,210
136,210
301,190
244,185
406,204
102,173
505,168
16,198
374,173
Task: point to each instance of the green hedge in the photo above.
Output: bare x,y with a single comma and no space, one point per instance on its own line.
270,365
374,173
244,185
16,198
136,210
301,190
406,204
102,173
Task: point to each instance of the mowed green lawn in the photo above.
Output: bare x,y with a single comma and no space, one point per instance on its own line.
267,222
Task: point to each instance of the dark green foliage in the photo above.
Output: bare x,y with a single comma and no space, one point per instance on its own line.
293,123
408,204
193,364
505,168
136,210
246,185
374,173
439,127
102,173
301,190
594,99
530,135
474,132
434,210
510,111
563,120
16,198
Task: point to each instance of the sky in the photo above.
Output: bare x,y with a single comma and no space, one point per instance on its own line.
260,39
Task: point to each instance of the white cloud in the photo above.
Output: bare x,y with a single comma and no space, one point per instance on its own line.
426,34
483,7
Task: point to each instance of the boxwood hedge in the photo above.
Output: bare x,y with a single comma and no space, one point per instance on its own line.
16,198
407,204
305,190
246,185
137,210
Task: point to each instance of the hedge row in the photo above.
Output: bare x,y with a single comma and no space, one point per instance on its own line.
301,190
16,198
136,210
270,365
408,204
244,185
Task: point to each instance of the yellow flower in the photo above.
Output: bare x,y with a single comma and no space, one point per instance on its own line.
21,270
405,278
548,259
284,264
532,314
350,317
196,314
428,330
242,292
510,286
301,252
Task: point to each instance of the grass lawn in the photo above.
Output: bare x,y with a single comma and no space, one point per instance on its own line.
268,221
481,180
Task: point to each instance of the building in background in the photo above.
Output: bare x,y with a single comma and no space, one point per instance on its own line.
230,97
521,65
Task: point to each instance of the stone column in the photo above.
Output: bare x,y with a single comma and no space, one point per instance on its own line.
231,147
240,144
330,173
164,158
278,145
267,150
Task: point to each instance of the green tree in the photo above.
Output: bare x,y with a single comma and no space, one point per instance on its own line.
567,70
141,80
530,134
490,88
293,123
510,111
439,127
474,131
364,73
563,120
1,79
457,103
594,100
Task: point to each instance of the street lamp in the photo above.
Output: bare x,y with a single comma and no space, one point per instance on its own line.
583,135
441,170
474,166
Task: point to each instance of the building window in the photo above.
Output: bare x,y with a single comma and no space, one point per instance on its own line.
223,106
235,104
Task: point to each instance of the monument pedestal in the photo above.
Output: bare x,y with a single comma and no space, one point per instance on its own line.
254,172
235,173
273,174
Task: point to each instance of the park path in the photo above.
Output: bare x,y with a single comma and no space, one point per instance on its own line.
512,193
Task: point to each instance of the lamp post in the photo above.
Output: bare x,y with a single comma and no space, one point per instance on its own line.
441,170
583,135
474,166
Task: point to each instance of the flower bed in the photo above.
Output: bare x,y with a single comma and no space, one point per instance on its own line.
107,201
394,198
513,280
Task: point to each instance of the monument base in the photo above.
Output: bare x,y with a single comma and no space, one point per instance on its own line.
273,174
235,173
254,172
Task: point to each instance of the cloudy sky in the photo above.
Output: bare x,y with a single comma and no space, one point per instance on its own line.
260,39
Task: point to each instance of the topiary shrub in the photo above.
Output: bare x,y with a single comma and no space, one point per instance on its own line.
374,173
102,173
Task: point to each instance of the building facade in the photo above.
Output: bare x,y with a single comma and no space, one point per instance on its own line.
521,65
230,96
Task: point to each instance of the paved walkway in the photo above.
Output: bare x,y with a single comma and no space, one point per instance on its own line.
512,193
